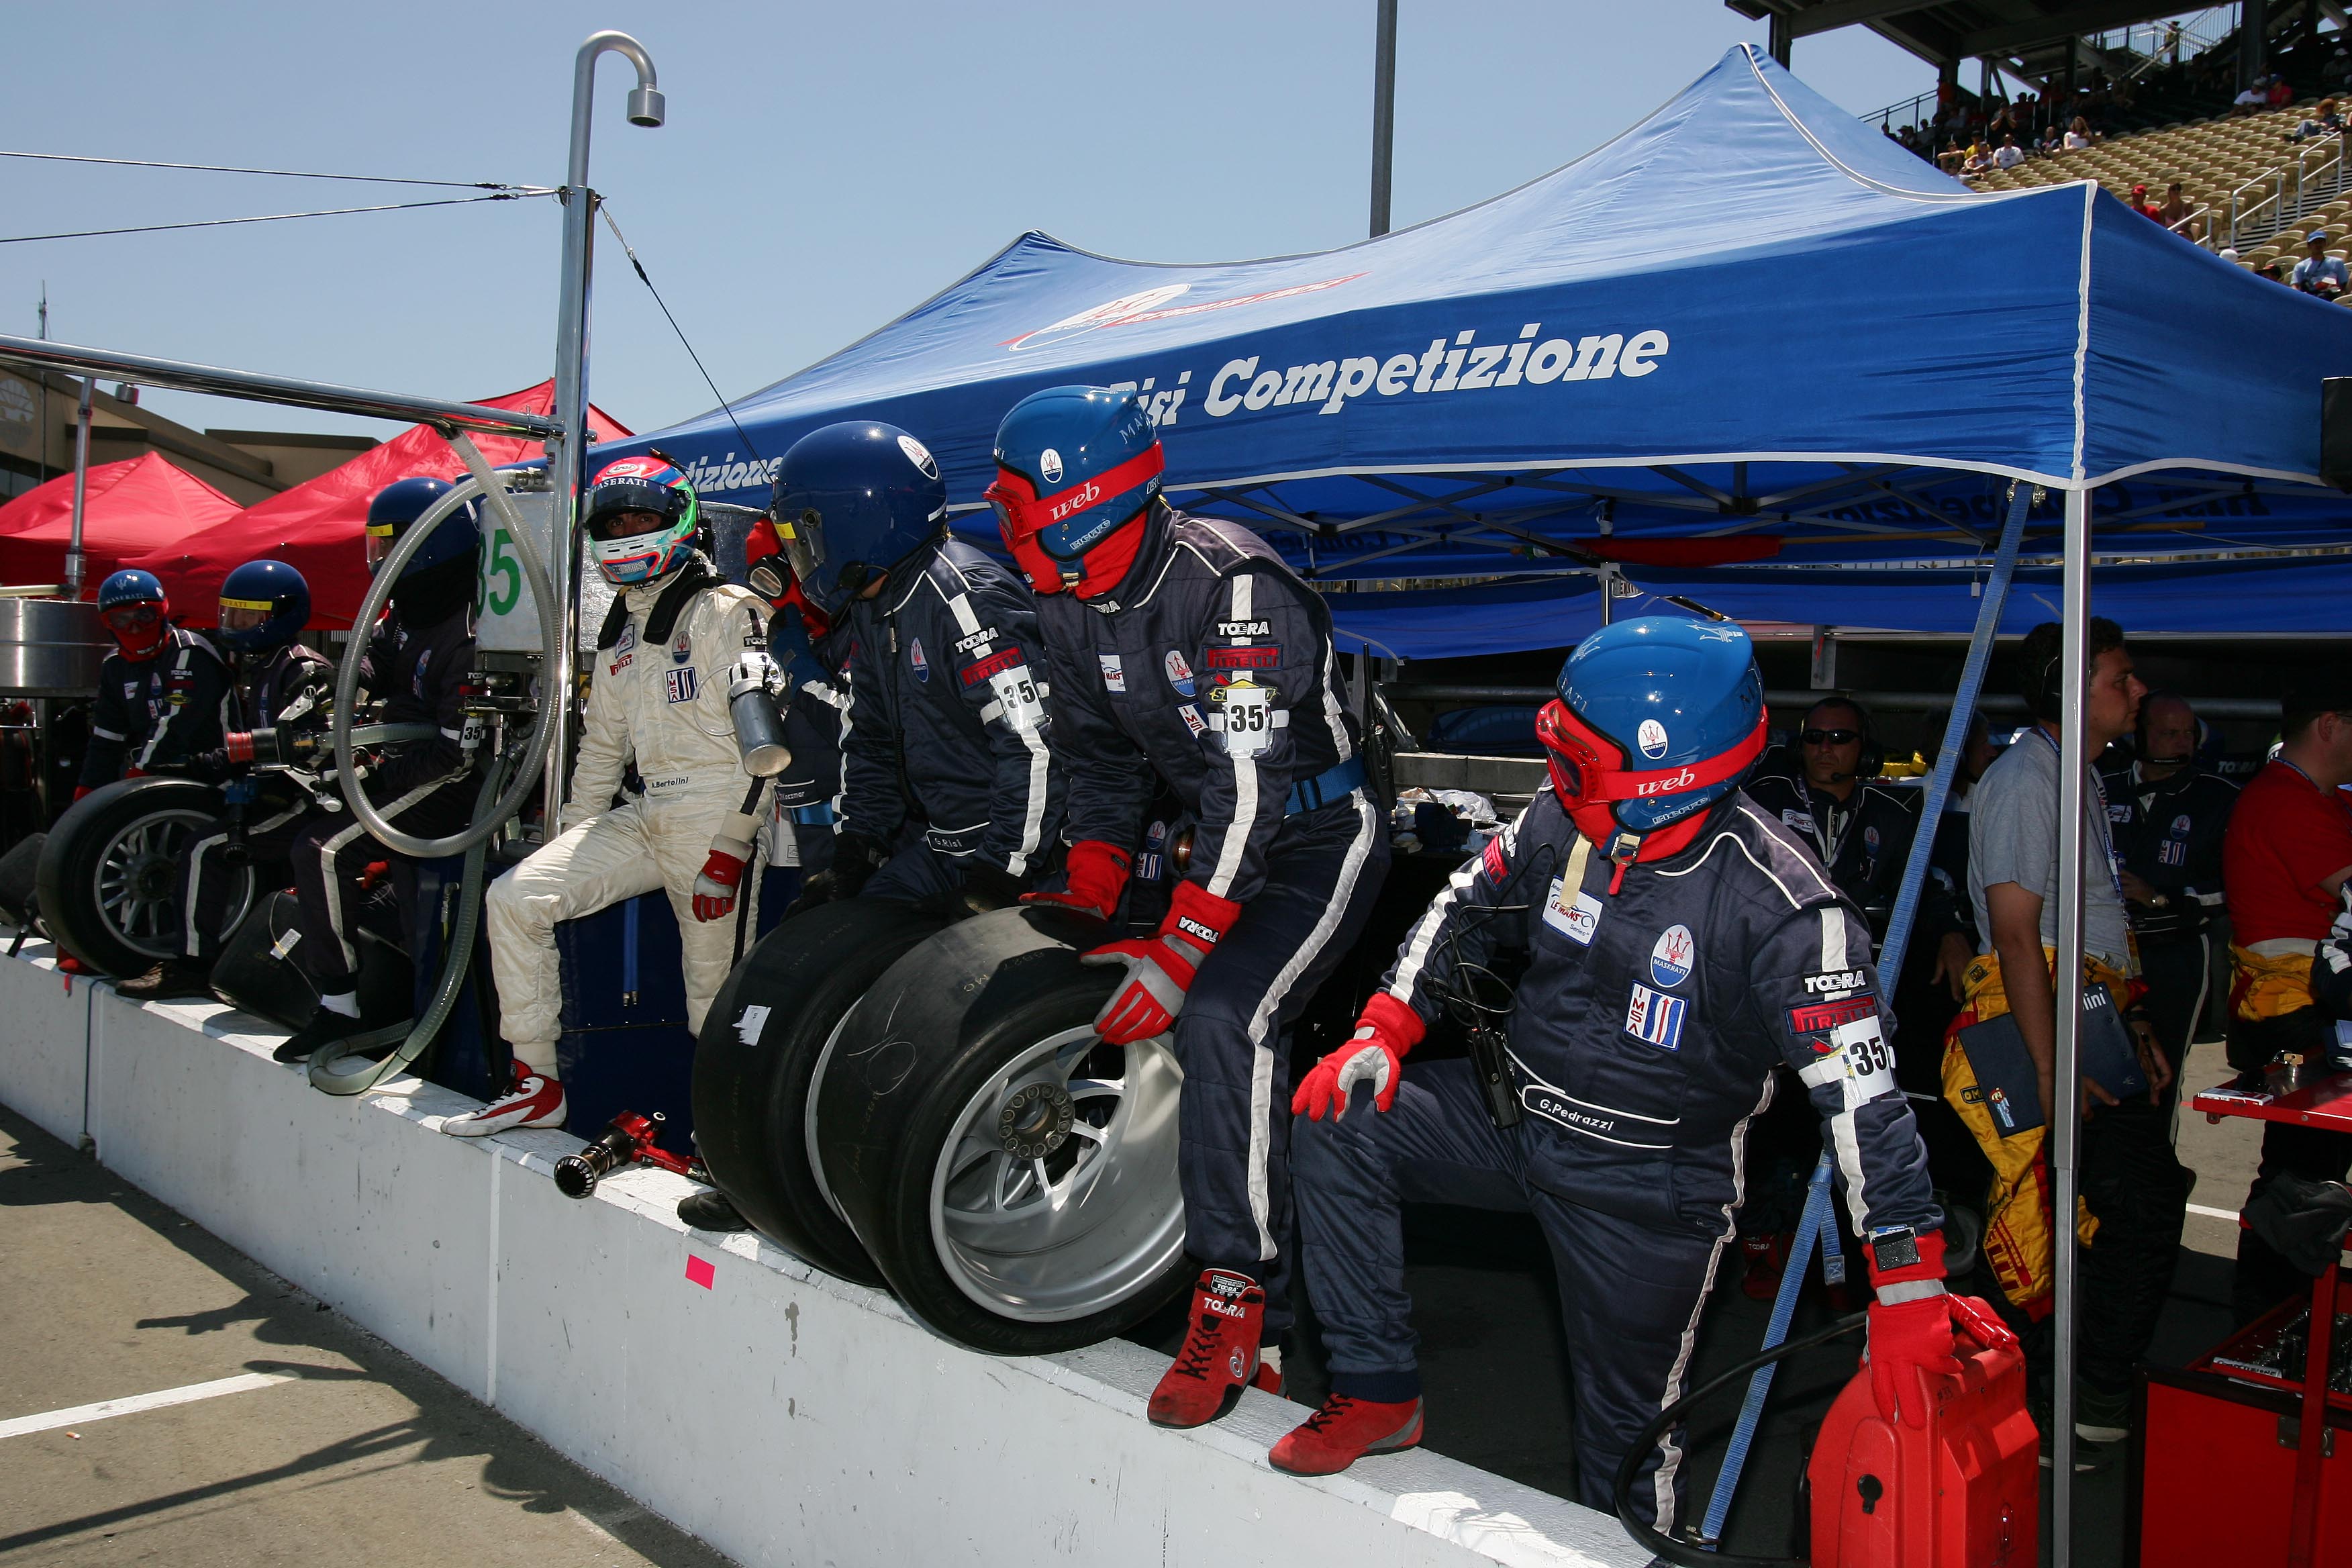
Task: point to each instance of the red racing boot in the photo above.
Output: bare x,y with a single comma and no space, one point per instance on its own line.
1345,1430
1220,1356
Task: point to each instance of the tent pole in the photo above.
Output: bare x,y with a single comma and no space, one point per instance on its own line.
2064,1116
567,453
82,491
1383,112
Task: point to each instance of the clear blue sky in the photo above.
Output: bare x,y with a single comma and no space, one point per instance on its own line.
824,168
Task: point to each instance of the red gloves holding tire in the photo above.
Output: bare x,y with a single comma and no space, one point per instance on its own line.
1386,1033
1911,1324
1094,876
1160,968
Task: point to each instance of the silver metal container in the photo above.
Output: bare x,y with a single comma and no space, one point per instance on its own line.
50,648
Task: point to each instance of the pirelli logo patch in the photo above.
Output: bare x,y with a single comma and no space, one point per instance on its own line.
994,663
1260,656
1820,1018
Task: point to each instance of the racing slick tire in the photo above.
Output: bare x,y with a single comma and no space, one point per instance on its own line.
1014,1178
753,1072
109,873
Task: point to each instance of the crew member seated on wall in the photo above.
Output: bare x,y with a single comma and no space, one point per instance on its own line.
416,662
159,692
811,655
1682,943
671,646
950,795
1185,646
281,689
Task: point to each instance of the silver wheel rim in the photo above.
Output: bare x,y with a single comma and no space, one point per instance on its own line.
1086,1227
135,886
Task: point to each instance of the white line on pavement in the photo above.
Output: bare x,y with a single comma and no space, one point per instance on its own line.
82,1414
2229,1214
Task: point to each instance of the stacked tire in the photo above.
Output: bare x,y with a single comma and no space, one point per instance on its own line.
962,1134
108,872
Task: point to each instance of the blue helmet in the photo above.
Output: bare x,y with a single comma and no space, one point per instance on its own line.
1658,717
852,500
264,604
132,606
1076,467
401,502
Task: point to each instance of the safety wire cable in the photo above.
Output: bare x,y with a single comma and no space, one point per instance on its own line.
495,191
606,209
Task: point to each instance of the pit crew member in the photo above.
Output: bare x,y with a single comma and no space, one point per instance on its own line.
950,795
282,693
159,693
1682,941
666,658
1184,646
415,663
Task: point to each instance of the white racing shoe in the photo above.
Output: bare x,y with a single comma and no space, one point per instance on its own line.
533,1101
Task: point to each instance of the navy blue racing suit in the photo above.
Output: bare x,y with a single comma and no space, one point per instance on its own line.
1211,664
156,714
812,697
289,690
945,742
1642,1042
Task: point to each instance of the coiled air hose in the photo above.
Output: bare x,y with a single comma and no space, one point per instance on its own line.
498,799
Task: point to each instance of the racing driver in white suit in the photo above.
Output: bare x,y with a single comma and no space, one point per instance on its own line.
666,657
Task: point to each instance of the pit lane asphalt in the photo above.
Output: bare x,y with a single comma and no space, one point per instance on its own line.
362,1456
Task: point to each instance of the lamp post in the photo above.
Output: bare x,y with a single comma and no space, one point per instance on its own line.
1383,112
567,452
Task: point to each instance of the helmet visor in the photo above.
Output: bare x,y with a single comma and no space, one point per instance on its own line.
618,525
803,537
380,540
130,617
245,615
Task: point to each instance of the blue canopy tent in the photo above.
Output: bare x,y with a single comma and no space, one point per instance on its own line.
1749,346
1749,330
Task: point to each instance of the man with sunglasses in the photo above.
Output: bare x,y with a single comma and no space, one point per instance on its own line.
1681,945
1185,648
950,792
1859,832
673,644
159,693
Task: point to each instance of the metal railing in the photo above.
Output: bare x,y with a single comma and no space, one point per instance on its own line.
2324,157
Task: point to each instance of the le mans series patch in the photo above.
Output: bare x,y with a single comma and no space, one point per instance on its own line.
1575,916
1655,1016
1114,674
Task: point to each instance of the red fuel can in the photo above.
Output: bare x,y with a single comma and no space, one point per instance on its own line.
1963,1492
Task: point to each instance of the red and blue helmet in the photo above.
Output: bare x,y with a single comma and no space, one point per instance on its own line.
1077,469
625,547
134,609
1657,717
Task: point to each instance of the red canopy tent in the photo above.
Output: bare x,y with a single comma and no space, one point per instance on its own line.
316,527
133,507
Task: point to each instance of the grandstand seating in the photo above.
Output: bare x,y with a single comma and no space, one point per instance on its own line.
2283,189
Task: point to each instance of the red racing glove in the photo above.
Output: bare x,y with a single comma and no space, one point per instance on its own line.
1096,876
1160,968
714,888
1384,1035
81,790
1911,1328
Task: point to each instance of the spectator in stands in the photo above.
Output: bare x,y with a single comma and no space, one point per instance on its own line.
1980,160
2269,269
2168,816
2318,272
2053,140
2279,94
1954,158
2254,99
2176,212
2006,123
2287,856
2336,75
2009,155
2324,122
2079,134
2142,205
2131,1182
